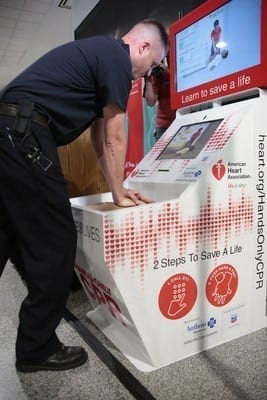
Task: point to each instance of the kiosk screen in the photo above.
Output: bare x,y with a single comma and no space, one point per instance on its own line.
189,140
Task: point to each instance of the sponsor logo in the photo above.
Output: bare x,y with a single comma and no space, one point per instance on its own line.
211,322
197,327
196,174
201,326
190,174
218,170
233,318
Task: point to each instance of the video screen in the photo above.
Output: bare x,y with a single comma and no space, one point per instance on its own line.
223,42
189,140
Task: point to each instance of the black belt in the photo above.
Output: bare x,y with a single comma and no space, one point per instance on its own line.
12,110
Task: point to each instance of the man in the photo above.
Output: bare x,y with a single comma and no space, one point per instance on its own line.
80,84
157,90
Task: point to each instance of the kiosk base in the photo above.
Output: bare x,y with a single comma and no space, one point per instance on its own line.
186,273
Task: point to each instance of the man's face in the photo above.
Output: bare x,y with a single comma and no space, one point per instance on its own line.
147,58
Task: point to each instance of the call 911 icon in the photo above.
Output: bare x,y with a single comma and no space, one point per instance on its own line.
177,296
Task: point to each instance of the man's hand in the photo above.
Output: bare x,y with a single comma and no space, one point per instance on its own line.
132,198
110,144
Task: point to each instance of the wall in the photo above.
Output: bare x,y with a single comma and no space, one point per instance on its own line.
80,10
117,16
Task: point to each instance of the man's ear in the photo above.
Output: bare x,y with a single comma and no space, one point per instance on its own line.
144,48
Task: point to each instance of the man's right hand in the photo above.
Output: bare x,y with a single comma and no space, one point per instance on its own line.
132,198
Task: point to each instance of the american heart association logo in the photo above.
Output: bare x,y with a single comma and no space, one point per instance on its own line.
218,170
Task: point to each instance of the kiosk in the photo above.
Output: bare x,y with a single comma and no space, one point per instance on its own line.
187,272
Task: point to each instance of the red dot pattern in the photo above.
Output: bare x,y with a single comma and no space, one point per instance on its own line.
131,237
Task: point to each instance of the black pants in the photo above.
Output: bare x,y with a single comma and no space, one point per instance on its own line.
35,215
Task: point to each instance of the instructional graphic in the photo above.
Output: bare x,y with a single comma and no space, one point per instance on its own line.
221,285
177,296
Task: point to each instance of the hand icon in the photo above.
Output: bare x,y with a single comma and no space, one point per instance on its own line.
177,305
222,289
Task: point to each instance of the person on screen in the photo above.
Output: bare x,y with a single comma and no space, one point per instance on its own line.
189,144
157,90
215,39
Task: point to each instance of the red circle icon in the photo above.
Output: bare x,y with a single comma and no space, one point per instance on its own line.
177,296
221,285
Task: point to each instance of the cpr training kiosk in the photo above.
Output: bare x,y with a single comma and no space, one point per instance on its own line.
187,272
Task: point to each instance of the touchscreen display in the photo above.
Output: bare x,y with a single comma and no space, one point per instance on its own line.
189,140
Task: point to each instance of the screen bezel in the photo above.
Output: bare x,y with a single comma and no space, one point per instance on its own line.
257,73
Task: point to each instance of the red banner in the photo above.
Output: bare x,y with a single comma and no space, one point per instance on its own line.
135,151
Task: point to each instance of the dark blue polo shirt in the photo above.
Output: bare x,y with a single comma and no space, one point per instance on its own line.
73,82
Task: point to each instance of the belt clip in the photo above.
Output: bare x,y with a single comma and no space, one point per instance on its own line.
23,118
37,157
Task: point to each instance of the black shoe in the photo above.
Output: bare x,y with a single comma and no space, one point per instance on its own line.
66,358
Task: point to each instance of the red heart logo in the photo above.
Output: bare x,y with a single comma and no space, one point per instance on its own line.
218,170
